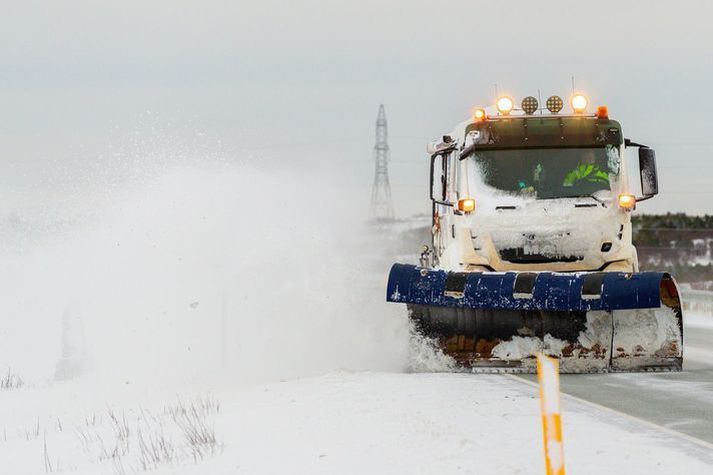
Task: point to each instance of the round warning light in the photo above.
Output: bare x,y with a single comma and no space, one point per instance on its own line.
579,103
554,104
504,105
529,105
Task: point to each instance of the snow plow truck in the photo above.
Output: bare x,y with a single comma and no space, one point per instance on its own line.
532,246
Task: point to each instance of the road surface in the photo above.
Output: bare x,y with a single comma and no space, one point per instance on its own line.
682,401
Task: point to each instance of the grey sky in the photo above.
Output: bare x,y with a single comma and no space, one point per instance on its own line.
299,83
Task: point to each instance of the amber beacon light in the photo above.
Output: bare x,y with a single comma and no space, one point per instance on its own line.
479,115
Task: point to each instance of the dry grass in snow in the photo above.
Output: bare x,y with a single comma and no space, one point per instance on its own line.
11,381
121,441
181,432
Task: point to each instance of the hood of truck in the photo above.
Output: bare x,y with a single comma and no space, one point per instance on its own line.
557,235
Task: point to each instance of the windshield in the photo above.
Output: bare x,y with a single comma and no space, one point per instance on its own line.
548,172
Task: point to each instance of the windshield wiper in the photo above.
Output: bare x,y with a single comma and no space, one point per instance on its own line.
598,200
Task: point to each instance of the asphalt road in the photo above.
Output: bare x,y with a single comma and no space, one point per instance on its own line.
681,401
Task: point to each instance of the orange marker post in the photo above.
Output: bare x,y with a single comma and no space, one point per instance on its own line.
549,378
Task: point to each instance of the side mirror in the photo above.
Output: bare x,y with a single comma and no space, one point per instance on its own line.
647,170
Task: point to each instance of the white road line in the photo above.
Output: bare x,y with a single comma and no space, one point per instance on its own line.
651,425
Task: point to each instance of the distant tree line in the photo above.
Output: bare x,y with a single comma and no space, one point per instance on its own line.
671,221
677,243
670,230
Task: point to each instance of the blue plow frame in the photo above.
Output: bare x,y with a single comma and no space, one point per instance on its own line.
549,291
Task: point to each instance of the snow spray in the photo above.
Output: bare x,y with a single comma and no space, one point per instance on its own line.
202,268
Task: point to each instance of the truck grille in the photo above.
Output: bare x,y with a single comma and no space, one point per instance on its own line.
517,255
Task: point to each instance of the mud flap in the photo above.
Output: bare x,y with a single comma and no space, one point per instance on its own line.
591,322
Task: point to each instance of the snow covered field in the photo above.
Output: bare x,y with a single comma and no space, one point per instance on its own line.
340,422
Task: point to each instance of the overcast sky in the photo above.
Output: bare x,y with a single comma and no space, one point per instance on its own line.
298,83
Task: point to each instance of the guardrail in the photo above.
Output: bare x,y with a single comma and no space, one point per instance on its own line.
697,301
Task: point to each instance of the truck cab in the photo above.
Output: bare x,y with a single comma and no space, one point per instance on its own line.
521,189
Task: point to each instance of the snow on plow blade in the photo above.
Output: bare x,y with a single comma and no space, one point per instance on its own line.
590,321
